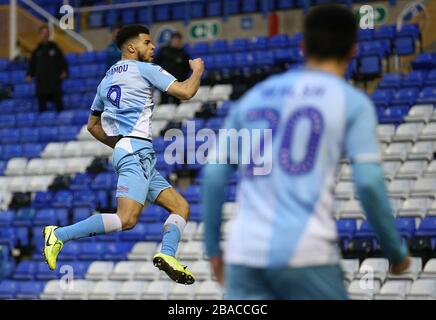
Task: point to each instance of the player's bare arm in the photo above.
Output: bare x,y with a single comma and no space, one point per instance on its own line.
187,89
95,128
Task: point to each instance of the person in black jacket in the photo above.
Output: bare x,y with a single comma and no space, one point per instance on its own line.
174,59
48,67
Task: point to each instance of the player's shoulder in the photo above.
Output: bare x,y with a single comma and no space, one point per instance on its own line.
356,96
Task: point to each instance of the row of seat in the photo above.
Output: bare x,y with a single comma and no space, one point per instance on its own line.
416,78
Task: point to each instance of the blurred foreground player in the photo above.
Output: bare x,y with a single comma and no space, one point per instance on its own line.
121,119
283,241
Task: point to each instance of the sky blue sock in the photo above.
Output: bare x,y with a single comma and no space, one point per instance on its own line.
170,240
92,226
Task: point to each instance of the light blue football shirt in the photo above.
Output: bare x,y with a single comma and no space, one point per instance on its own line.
286,218
125,97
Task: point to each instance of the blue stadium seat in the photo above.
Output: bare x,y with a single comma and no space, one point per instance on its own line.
128,16
390,80
431,78
162,13
427,227
213,8
80,214
382,97
7,106
101,56
92,252
32,150
136,234
154,232
279,41
11,151
365,34
30,290
215,123
42,199
231,193
8,237
200,48
70,252
406,226
424,61
264,58
243,60
258,43
64,118
63,199
26,270
285,4
28,135
370,66
45,217
117,251
80,181
238,44
219,46
22,235
6,218
104,181
385,32
346,228
414,79
46,119
405,96
84,198
152,213
223,61
8,289
24,217
192,193
427,95
249,6
7,121
67,133
393,114
96,19
195,212
409,30
404,46
102,199
26,119
88,57
38,242
9,136
111,17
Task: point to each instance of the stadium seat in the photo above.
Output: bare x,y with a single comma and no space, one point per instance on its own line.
362,290
142,251
429,270
180,292
420,113
124,270
104,290
427,95
397,151
99,270
131,290
400,188
422,289
157,290
411,273
79,291
394,290
30,290
147,271
414,79
411,169
8,289
208,290
422,150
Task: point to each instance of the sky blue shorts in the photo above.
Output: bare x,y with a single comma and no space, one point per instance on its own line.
134,162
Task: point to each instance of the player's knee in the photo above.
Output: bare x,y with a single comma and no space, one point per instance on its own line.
128,222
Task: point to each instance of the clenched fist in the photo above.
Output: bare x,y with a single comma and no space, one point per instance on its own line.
197,65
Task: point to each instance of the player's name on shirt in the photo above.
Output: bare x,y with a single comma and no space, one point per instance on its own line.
118,69
277,91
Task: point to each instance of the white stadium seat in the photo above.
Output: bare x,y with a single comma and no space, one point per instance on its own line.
147,271
411,273
400,187
79,290
54,166
375,268
429,132
397,151
229,210
394,290
422,150
104,290
99,270
16,167
35,166
157,127
84,134
142,251
186,111
424,187
391,168
124,270
209,290
350,268
192,250
345,173
157,290
18,184
385,132
363,290
423,289
182,292
408,132
352,210
39,183
220,92
420,113
415,207
52,291
202,94
5,200
344,190
53,150
189,231
411,169
76,165
164,112
199,234
73,149
429,270
201,269
131,290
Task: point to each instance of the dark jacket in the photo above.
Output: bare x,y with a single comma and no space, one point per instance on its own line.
113,55
46,65
175,61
